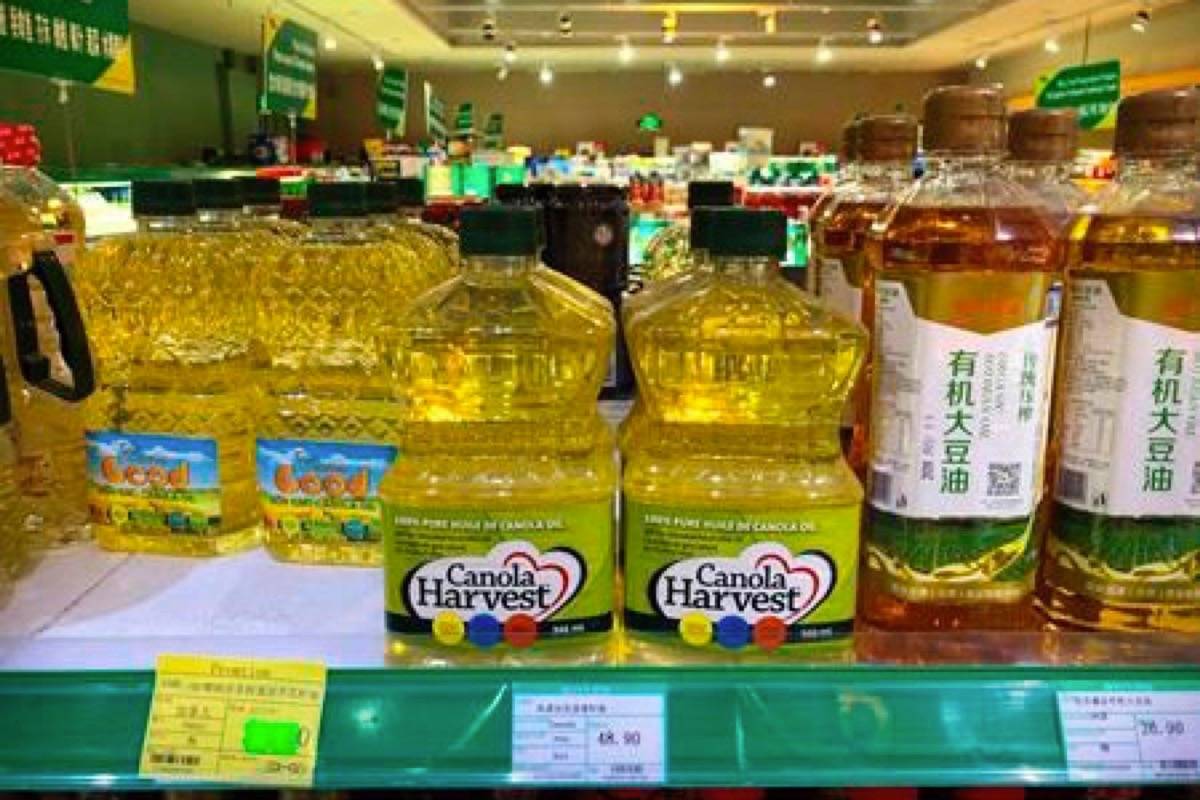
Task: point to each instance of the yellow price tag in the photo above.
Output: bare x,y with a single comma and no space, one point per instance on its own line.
234,720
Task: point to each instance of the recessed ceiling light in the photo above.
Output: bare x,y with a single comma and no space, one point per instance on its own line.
674,75
377,62
1051,45
981,62
824,53
510,53
546,75
722,53
502,73
625,52
330,43
769,81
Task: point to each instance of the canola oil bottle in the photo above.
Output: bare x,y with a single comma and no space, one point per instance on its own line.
1123,549
170,438
332,422
884,146
967,291
1041,150
13,542
50,372
669,253
499,541
436,246
262,207
741,514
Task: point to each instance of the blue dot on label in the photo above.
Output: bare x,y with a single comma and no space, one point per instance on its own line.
483,630
733,632
354,530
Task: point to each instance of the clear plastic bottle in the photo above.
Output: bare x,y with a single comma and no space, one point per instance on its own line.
36,216
1041,150
169,441
436,245
262,207
499,543
741,515
968,274
885,146
844,182
14,545
1123,547
332,422
668,254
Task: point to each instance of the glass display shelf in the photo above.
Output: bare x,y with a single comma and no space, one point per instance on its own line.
79,637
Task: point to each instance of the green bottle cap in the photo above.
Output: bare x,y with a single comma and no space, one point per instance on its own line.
411,192
163,199
218,194
701,229
346,199
747,232
499,231
382,197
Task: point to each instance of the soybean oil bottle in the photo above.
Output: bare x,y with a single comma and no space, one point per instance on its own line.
845,181
50,369
169,444
1041,150
1123,550
885,146
499,543
967,291
741,514
331,423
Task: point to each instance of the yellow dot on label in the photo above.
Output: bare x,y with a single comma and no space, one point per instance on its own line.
448,628
696,629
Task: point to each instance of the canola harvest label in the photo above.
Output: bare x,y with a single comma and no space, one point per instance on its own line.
481,578
1128,484
152,483
741,579
323,491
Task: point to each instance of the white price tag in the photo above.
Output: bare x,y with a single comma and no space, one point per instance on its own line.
1131,736
589,737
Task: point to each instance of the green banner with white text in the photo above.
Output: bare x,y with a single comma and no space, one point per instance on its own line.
391,100
1093,90
435,115
289,68
82,41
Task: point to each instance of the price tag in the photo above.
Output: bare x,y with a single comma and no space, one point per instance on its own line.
234,720
1131,736
589,736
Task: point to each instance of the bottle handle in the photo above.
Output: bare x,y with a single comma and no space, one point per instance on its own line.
72,337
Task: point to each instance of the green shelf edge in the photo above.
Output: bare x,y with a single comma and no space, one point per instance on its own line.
794,726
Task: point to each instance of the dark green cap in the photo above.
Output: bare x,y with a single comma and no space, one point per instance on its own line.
701,229
218,193
382,197
410,192
163,199
709,193
347,199
746,232
260,191
499,231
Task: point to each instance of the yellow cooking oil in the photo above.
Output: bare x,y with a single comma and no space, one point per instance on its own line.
332,420
740,512
395,208
14,545
499,540
38,216
170,458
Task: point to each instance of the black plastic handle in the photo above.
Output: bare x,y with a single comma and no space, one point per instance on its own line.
72,338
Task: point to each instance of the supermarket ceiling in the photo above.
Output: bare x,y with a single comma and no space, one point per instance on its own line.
886,35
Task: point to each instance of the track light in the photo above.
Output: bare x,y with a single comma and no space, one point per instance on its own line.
565,26
770,22
502,73
625,52
510,53
1141,21
377,62
1051,45
824,53
769,81
874,31
674,75
670,25
981,63
330,43
488,29
722,53
546,75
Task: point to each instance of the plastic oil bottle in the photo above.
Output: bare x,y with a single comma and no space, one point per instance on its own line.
436,245
967,290
36,216
262,207
169,444
844,181
669,253
13,542
499,543
331,424
885,146
741,515
1041,150
1123,552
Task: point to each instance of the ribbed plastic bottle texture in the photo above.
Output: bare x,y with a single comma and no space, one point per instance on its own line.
740,513
35,214
500,544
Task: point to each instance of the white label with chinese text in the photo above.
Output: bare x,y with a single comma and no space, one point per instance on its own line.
836,290
960,417
1131,421
589,737
1131,737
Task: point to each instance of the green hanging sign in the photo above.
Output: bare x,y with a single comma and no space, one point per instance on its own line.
1093,90
435,115
464,120
289,68
493,132
83,41
650,122
391,100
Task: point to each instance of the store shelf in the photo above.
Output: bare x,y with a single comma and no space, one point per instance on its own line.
78,641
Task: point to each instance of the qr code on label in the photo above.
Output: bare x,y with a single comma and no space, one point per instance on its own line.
1004,480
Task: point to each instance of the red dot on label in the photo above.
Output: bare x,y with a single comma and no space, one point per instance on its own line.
770,633
520,630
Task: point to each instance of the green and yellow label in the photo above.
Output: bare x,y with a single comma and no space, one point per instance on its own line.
741,579
479,578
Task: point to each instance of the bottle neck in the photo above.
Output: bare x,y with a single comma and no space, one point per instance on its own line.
265,212
217,219
338,229
744,268
489,269
943,162
412,213
1177,165
165,224
885,173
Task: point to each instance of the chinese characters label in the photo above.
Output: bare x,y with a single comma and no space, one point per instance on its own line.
1131,737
